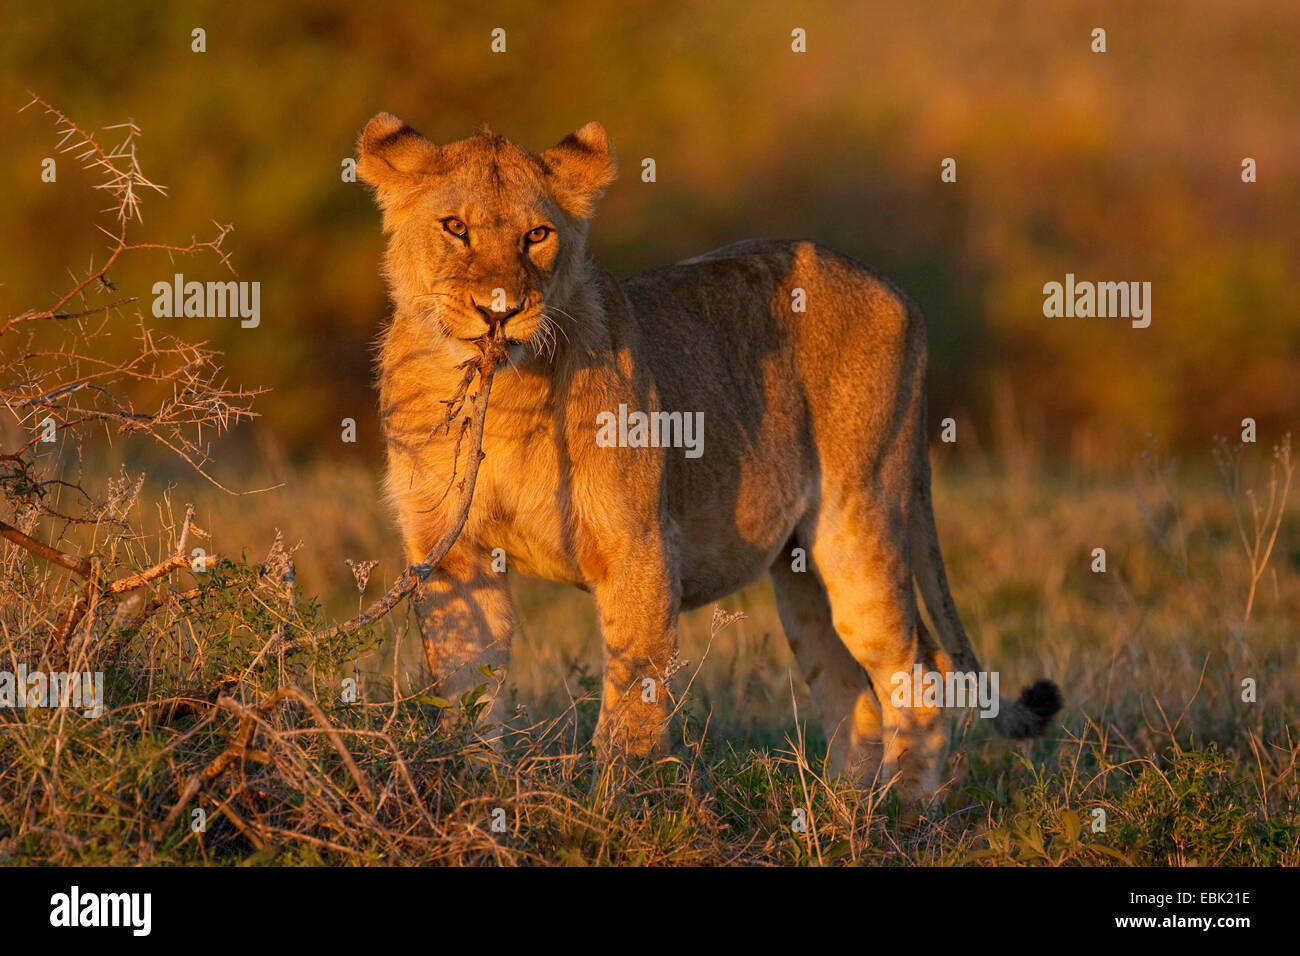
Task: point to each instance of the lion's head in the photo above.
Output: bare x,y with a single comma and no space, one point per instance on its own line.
483,232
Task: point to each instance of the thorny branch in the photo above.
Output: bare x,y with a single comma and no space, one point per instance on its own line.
493,353
58,377
73,381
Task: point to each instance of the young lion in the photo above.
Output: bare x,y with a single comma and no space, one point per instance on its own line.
814,438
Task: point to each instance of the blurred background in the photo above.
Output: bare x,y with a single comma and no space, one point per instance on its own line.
1122,166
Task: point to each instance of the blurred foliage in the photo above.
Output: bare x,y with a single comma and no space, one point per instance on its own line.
1122,166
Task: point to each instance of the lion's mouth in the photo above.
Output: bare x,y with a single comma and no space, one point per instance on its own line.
511,333
516,330
496,333
514,346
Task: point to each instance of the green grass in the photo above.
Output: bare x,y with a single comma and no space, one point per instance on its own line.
1151,657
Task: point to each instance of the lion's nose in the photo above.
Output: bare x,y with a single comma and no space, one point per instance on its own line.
494,318
497,304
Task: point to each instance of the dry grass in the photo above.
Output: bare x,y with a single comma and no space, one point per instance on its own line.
1151,656
236,730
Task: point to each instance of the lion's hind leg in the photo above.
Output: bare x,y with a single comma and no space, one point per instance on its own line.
861,552
841,693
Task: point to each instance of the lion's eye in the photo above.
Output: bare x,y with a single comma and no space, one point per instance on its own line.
537,235
455,227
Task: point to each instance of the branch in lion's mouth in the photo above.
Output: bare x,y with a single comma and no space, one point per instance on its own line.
512,347
495,335
493,345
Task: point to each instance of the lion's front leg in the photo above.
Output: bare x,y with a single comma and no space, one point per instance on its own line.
637,602
466,620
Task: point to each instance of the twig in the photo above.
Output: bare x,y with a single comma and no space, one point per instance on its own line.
494,352
81,566
240,748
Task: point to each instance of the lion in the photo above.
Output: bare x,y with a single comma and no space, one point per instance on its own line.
807,372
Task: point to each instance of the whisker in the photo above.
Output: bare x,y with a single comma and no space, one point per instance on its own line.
563,331
551,328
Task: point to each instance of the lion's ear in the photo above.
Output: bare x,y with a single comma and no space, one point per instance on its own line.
581,165
391,156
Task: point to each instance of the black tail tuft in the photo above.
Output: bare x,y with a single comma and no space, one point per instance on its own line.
1040,702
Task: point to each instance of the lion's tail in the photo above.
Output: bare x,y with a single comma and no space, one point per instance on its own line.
1028,716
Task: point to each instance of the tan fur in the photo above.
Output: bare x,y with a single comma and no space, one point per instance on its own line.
814,438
